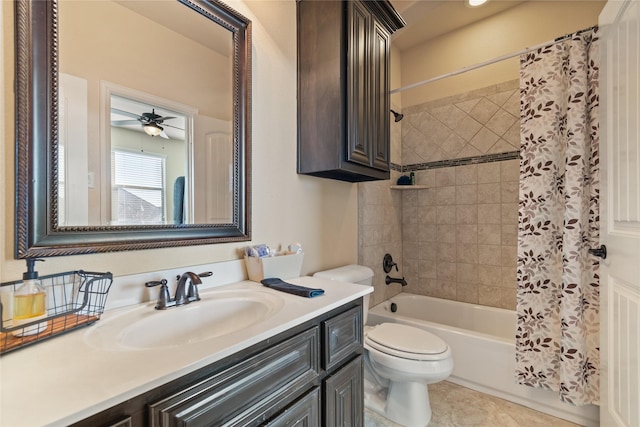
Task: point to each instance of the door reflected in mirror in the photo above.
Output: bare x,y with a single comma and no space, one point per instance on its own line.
145,117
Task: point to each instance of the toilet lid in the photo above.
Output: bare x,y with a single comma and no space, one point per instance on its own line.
405,341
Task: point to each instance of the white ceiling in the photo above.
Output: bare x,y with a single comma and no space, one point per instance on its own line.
427,19
179,18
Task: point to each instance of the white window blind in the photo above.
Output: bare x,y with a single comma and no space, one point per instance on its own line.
137,187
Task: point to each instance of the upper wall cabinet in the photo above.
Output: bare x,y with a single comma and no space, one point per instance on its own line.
343,88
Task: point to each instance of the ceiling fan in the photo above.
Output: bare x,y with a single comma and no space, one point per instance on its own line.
150,122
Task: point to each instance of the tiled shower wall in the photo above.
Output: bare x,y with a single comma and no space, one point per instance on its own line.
380,232
457,238
460,234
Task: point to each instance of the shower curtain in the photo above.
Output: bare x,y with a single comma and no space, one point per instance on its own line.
557,338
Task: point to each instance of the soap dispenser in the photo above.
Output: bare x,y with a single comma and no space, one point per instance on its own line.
30,302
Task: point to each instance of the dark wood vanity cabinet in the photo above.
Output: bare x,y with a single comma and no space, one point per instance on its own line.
311,375
343,88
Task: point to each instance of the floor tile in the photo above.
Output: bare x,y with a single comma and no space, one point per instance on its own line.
454,406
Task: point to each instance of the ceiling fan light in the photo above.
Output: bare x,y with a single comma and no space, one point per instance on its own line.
476,3
152,129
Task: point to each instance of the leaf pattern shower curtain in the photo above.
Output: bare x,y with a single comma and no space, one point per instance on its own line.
557,338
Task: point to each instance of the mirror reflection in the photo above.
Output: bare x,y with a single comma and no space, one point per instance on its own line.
133,125
145,115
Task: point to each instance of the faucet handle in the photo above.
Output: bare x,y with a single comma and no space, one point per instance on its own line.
153,283
163,298
388,264
192,291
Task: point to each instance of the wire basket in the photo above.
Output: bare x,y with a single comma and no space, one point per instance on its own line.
74,299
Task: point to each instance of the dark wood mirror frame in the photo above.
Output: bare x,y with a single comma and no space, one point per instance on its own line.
36,231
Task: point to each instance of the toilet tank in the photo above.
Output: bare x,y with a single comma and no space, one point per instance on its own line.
351,274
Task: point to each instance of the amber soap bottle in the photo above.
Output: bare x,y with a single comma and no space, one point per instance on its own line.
30,302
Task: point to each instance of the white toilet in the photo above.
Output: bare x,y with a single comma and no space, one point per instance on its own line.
400,361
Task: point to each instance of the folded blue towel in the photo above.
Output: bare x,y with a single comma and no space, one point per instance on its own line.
404,180
279,285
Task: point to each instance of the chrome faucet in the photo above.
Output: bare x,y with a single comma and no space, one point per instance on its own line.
184,294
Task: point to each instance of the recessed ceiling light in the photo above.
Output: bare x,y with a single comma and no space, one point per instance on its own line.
476,3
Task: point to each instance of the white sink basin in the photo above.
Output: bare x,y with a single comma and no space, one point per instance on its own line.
218,313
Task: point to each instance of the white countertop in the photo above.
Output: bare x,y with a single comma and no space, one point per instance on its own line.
64,380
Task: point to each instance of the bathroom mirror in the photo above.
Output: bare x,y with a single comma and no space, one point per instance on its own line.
160,90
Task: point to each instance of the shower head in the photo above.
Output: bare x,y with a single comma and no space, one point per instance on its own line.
397,116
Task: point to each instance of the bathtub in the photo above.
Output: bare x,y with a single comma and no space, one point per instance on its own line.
482,341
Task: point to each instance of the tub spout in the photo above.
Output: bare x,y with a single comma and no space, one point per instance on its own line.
390,280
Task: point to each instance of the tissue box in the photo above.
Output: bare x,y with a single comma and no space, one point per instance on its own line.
283,267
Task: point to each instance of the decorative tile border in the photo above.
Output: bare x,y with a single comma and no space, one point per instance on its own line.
488,158
395,167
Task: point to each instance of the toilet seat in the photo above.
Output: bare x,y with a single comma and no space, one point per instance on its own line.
406,342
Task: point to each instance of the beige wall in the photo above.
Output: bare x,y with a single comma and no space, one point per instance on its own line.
320,214
528,24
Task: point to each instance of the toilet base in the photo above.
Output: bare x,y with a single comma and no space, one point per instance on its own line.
405,403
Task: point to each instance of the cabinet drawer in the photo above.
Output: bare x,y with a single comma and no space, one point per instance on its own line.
342,337
248,393
305,412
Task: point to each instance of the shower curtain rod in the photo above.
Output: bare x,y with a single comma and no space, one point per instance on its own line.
490,61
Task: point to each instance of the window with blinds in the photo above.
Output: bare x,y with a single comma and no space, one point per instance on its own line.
137,188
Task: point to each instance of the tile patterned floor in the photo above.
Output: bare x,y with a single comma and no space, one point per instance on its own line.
454,406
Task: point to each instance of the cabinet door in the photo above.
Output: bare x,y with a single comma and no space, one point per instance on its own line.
344,396
358,81
379,105
303,413
368,89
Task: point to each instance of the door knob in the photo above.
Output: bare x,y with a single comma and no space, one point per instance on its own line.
599,252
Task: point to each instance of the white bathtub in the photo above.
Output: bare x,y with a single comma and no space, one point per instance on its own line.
482,341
